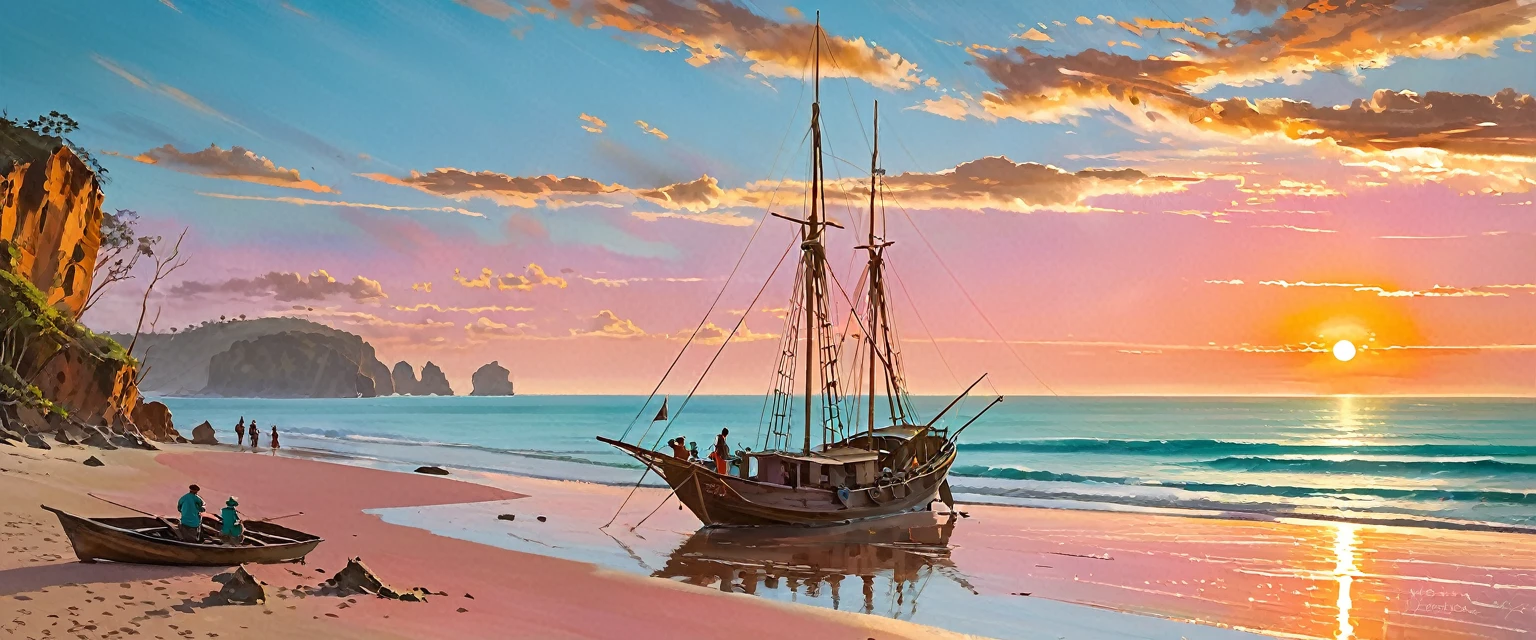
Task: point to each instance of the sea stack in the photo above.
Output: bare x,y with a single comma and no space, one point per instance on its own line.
433,382
404,377
492,380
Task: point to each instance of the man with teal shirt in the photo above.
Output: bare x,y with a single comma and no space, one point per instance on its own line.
191,508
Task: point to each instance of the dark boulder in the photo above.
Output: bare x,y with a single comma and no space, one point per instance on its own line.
432,471
204,434
240,587
36,441
93,461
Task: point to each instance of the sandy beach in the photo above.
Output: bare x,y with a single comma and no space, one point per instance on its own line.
492,593
1003,572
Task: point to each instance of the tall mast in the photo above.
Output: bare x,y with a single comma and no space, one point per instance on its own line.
811,236
874,266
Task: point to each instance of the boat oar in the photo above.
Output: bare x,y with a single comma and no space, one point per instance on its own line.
161,519
118,504
279,517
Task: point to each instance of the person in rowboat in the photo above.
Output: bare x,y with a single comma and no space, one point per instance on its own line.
230,528
190,527
693,451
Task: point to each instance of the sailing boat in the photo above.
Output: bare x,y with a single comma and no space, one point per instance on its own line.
850,475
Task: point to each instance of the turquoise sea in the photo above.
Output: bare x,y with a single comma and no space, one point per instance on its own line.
1411,460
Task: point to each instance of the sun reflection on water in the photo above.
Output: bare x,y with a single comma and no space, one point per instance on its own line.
1344,572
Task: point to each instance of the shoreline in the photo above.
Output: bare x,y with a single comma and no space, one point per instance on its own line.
1146,507
1078,574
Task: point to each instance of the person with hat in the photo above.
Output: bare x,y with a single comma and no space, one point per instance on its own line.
231,530
190,527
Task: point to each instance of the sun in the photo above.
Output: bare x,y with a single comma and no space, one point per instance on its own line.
1344,350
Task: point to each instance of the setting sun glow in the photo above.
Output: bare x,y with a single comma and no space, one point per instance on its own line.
1344,350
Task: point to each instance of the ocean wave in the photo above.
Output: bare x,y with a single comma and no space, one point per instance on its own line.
1478,467
1277,491
558,456
1199,447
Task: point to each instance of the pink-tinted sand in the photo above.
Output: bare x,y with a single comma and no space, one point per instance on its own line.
514,594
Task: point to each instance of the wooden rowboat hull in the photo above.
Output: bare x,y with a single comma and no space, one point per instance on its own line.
730,501
124,540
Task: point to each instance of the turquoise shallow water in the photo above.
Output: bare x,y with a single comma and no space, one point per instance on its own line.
1429,458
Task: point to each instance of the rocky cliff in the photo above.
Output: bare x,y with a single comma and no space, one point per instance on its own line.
54,372
50,212
404,376
180,360
288,365
433,382
492,380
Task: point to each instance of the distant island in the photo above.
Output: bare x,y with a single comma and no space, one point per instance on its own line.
492,380
288,357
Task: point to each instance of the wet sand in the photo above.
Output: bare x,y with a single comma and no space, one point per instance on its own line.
491,592
1008,571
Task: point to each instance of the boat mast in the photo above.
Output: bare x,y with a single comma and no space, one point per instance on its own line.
810,239
874,268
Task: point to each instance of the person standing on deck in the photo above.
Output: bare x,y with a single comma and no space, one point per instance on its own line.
255,436
240,432
190,527
722,453
230,528
678,450
693,451
273,442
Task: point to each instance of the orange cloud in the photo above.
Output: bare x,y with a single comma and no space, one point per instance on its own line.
607,324
483,329
235,163
287,286
594,124
499,187
715,29
646,127
305,202
533,276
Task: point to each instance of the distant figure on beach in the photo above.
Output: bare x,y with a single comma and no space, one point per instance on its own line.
190,527
240,432
722,453
273,442
693,451
230,529
679,451
255,436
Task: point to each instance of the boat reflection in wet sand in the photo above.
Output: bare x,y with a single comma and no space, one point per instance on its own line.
892,558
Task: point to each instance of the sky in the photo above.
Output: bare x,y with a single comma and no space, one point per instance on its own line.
1109,197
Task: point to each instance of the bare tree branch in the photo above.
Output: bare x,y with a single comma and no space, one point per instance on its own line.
117,238
165,265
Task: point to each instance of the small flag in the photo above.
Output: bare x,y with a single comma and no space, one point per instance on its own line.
661,415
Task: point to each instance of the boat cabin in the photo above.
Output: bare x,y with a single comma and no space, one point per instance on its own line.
852,464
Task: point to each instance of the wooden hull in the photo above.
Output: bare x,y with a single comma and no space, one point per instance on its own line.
725,501
126,540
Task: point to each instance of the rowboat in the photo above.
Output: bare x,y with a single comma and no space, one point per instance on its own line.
841,438
145,540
